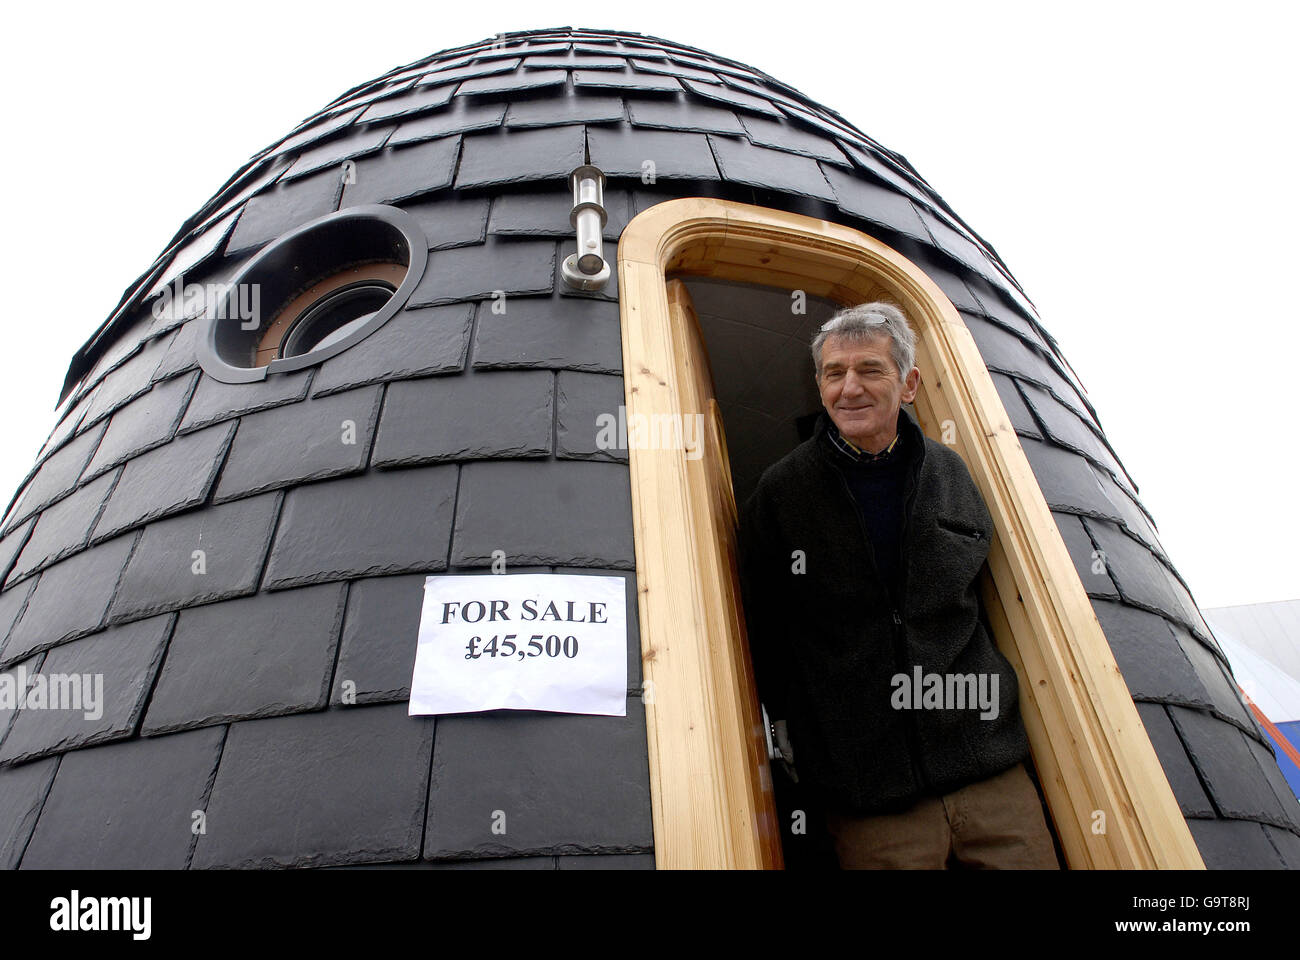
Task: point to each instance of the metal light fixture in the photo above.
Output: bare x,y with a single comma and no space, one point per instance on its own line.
587,269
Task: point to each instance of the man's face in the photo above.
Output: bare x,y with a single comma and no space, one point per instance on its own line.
861,389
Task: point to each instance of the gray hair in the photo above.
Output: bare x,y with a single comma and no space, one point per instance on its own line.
869,320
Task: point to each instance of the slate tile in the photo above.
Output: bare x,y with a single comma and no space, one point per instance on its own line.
12,602
126,806
673,69
1022,421
342,786
1061,424
1065,479
317,131
281,208
414,343
1227,766
586,403
451,220
211,554
180,356
1234,845
65,429
1287,845
1088,561
1141,578
792,138
741,162
514,82
17,676
1154,665
419,99
440,73
570,333
628,152
11,546
961,247
111,674
256,175
64,528
516,156
518,268
737,99
332,153
859,196
191,255
574,513
1221,691
1128,510
547,215
506,414
573,59
259,656
402,172
342,529
686,115
461,117
1007,312
70,598
380,631
1004,351
1173,758
369,93
951,284
312,440
615,861
214,401
566,783
57,476
724,68
22,793
1267,760
489,863
144,423
127,380
574,109
625,80
165,480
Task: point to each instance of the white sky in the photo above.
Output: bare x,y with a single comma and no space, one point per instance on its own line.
1133,163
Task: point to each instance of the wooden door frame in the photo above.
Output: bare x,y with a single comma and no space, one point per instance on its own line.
1111,804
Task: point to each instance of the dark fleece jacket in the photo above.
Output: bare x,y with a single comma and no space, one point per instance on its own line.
827,639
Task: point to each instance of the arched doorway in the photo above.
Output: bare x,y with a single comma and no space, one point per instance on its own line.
711,785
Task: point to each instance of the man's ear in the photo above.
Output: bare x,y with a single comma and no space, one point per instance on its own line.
911,385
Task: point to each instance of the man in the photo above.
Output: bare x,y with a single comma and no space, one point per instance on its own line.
861,551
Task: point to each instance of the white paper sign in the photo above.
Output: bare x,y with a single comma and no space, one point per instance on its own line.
529,641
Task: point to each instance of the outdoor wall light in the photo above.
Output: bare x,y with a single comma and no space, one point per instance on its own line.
587,269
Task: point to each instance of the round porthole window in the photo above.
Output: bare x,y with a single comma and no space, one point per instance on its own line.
313,293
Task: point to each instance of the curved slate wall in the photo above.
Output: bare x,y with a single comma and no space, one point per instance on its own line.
225,671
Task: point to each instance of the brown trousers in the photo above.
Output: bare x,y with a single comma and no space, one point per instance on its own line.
994,824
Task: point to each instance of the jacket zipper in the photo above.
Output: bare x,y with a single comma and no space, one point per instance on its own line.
913,740
918,768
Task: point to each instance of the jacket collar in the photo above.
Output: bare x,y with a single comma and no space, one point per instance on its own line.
910,439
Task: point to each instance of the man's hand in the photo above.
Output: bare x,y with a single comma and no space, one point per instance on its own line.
782,737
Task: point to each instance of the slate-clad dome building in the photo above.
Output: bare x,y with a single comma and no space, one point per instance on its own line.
232,521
